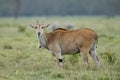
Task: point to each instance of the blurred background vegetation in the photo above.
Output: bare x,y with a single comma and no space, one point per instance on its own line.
17,8
20,59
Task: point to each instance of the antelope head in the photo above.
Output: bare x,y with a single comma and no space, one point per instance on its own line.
39,28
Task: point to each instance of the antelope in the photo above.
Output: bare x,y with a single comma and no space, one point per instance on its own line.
61,41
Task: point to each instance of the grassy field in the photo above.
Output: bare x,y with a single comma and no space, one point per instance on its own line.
20,59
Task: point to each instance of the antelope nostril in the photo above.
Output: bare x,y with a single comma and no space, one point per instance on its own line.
38,33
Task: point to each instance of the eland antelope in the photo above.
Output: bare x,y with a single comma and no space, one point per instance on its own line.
61,41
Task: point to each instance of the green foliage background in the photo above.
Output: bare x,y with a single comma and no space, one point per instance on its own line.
20,59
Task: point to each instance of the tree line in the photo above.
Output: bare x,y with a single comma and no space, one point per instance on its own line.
59,7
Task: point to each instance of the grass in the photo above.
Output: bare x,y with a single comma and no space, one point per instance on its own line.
20,59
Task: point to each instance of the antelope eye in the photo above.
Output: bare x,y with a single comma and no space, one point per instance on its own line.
42,27
36,27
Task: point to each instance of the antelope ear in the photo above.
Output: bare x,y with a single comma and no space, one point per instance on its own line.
31,25
37,22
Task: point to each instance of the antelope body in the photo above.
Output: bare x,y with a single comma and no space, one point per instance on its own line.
62,41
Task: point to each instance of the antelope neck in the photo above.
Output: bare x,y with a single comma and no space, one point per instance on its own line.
43,40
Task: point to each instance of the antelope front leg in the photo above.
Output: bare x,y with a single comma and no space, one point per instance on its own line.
59,63
57,52
39,45
59,60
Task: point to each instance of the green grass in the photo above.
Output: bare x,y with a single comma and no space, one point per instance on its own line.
20,59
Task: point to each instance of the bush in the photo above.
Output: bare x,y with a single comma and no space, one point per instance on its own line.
109,56
58,75
21,29
85,77
7,46
104,77
74,59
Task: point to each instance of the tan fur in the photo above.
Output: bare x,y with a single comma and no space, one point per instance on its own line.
62,41
70,40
